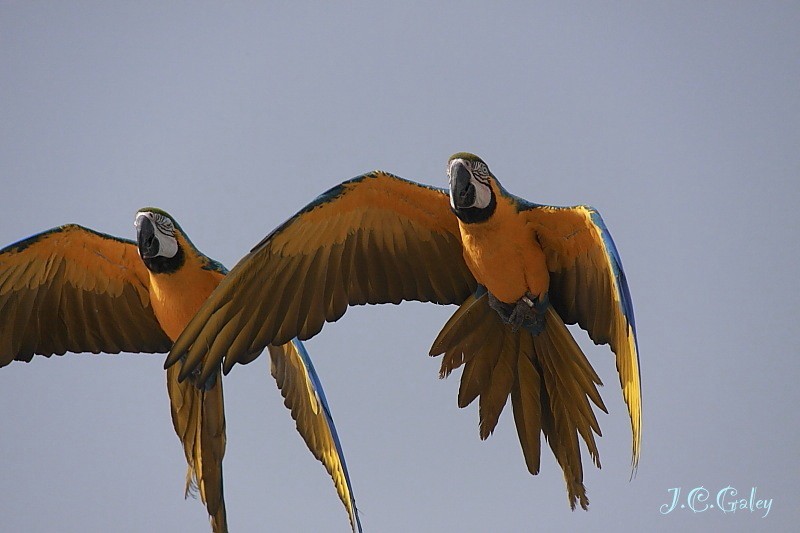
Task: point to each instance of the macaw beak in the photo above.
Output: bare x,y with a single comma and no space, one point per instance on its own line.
462,192
146,238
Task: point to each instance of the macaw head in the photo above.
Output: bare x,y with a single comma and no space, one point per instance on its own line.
157,237
472,195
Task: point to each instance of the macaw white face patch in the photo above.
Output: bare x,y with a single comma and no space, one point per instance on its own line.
483,193
164,232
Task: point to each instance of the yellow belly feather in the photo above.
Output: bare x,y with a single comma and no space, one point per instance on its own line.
503,255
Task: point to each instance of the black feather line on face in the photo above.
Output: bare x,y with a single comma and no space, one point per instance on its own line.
166,265
473,215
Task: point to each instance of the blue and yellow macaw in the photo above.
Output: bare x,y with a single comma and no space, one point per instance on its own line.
71,289
519,272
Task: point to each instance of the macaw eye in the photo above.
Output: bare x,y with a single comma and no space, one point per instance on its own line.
481,169
164,224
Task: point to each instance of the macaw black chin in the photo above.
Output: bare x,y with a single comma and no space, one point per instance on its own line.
165,265
471,215
149,246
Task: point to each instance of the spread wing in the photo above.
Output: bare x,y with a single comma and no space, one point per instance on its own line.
302,391
71,289
588,287
374,239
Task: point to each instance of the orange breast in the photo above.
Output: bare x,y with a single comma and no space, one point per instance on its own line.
503,255
178,296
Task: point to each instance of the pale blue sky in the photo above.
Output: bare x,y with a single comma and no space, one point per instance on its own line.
679,121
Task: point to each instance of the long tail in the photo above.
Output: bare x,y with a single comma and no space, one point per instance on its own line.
568,382
547,376
198,415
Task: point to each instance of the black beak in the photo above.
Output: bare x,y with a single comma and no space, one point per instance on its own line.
462,191
146,238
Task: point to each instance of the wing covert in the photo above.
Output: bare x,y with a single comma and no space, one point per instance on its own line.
374,239
71,289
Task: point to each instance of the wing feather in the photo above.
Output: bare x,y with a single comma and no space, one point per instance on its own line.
392,240
334,297
589,287
291,304
73,289
303,395
315,318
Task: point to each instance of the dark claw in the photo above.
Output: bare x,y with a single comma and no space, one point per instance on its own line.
503,309
521,311
528,312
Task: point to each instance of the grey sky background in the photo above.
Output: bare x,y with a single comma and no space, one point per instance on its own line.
679,121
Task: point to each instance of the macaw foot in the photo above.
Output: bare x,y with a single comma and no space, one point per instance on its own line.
528,312
194,377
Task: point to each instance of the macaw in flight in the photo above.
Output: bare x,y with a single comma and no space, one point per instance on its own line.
72,289
519,272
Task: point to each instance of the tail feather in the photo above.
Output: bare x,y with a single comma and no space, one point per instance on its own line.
551,383
477,374
495,395
482,338
526,402
555,348
563,442
198,416
457,332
